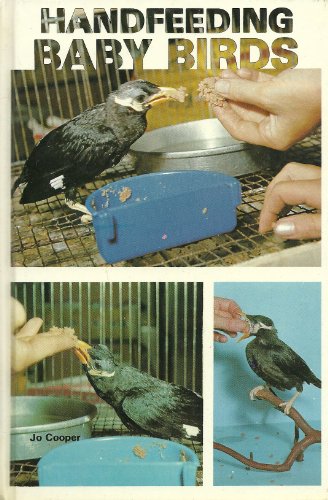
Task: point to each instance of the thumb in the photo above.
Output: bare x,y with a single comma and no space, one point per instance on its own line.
245,91
299,227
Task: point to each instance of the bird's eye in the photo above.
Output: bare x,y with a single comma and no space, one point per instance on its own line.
140,98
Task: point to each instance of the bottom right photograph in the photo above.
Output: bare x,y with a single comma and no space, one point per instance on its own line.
267,384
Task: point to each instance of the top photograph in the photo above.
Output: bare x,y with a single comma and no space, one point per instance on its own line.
213,160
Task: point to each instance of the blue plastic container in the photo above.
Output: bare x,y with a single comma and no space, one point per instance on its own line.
151,212
119,461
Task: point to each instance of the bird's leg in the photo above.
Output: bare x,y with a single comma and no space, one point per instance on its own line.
253,392
74,205
288,404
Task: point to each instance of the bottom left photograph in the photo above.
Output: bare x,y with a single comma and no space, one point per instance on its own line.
106,384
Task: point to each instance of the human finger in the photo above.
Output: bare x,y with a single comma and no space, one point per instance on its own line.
242,90
246,74
295,171
30,328
227,305
254,75
288,193
299,227
219,337
241,126
230,325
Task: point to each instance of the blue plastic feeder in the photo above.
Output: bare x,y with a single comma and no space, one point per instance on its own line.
152,212
119,461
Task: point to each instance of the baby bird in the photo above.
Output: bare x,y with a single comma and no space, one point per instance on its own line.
274,361
145,404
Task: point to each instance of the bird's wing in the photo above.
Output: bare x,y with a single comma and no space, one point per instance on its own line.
81,142
292,364
165,410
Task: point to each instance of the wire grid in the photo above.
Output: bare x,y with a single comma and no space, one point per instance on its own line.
106,423
49,234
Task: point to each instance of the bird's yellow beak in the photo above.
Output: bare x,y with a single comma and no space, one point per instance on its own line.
245,335
81,352
165,94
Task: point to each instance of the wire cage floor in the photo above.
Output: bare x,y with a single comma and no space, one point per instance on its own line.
48,233
106,423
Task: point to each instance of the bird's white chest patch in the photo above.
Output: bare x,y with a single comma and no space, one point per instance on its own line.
101,373
191,430
58,182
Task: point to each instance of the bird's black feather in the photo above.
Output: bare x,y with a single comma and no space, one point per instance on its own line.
85,146
274,361
144,403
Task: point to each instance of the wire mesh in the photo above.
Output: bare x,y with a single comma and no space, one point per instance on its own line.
106,423
49,234
134,320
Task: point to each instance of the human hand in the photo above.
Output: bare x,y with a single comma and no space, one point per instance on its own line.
295,184
29,346
227,317
272,111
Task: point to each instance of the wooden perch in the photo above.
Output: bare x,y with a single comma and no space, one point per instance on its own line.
311,436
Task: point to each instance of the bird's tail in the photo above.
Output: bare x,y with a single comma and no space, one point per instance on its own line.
316,381
17,182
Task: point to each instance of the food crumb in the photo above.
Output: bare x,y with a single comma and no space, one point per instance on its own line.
164,237
139,451
205,210
207,93
124,194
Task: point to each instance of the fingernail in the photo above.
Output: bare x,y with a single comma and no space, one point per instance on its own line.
222,86
286,228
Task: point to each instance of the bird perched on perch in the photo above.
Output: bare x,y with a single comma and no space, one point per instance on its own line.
274,361
80,149
144,403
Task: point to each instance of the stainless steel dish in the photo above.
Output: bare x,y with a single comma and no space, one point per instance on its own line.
201,145
40,423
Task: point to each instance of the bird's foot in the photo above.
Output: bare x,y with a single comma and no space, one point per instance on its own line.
287,405
253,392
86,219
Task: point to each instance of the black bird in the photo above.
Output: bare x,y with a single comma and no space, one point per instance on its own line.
274,361
145,404
97,139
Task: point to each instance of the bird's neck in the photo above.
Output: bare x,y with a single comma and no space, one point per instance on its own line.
123,118
267,337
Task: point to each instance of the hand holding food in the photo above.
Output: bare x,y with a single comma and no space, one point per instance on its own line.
29,346
272,111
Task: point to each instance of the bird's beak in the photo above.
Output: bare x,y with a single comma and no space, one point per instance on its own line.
81,352
165,94
245,335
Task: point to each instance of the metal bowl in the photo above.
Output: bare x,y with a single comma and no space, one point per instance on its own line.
202,145
40,423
